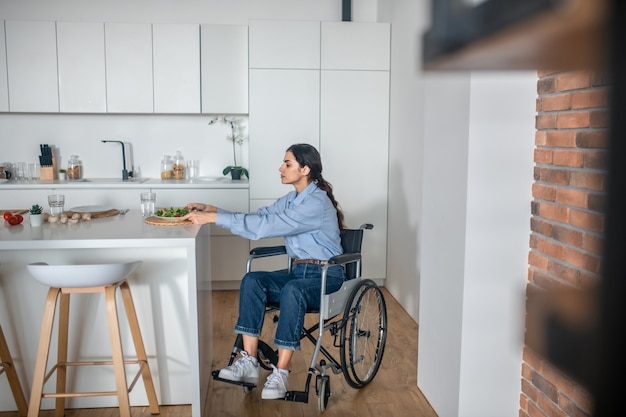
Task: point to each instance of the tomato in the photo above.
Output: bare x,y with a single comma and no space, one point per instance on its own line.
7,215
13,220
20,218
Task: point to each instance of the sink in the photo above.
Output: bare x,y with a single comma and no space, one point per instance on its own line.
207,179
115,180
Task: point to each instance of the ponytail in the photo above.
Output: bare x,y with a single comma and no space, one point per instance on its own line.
307,155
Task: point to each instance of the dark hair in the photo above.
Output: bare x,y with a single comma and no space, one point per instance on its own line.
307,155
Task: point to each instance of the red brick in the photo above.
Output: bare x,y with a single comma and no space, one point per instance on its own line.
544,192
550,408
589,180
537,260
568,158
552,249
572,120
534,411
540,137
538,225
568,236
592,243
565,272
573,81
553,176
529,390
545,121
543,156
553,212
595,159
571,197
590,99
599,118
582,260
592,139
556,102
586,220
546,86
562,139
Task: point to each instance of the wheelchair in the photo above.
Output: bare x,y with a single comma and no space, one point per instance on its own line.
355,315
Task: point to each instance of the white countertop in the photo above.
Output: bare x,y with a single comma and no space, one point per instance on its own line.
140,183
120,231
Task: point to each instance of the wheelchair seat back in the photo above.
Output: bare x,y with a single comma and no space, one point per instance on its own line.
351,241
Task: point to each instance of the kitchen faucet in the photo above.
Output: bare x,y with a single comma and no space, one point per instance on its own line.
125,174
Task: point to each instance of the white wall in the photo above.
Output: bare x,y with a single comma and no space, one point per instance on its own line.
475,228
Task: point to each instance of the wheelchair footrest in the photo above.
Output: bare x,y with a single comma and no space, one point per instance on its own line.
297,396
216,377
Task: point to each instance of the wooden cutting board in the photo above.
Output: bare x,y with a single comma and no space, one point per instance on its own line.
15,211
97,214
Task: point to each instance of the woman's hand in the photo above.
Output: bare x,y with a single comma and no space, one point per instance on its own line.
201,217
201,207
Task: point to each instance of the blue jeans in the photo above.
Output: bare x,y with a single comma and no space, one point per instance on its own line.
294,292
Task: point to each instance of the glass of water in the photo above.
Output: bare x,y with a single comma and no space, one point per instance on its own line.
148,204
56,203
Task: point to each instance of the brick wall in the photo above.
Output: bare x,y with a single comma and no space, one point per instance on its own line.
567,220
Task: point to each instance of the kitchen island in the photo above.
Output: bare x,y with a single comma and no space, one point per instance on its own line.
171,290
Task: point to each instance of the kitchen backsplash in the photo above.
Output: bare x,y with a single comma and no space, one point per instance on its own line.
150,137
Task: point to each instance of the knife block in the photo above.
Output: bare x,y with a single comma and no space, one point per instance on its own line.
49,173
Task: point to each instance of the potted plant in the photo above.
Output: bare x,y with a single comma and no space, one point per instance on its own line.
237,137
62,174
35,215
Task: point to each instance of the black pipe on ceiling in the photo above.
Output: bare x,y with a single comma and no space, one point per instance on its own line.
346,10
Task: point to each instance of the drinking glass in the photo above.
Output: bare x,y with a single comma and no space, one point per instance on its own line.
56,203
148,204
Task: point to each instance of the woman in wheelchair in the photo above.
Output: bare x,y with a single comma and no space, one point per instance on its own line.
310,221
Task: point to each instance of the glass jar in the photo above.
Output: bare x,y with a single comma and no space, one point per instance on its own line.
167,172
74,168
179,166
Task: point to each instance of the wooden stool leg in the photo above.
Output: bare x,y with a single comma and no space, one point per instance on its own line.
42,352
64,319
140,349
116,348
14,382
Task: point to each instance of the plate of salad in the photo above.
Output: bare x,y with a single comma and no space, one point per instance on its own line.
174,214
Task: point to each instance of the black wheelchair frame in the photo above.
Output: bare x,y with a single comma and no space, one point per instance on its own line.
355,315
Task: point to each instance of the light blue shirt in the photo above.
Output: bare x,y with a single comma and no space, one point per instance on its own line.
307,221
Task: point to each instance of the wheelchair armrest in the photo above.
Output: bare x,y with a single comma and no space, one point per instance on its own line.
345,258
264,251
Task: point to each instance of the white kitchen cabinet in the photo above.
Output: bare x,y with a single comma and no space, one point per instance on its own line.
129,68
355,46
80,49
354,148
32,66
4,86
176,58
284,109
224,69
284,44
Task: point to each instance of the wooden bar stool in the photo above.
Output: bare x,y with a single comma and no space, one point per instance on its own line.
6,365
63,281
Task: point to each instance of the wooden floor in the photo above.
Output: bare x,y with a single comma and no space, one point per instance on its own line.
393,392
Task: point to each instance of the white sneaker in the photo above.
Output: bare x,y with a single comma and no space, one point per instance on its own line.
277,384
244,369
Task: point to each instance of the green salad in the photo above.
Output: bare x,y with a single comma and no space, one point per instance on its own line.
171,212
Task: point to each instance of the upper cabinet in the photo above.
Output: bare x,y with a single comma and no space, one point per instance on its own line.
32,66
356,46
4,87
280,44
176,62
129,67
80,49
224,68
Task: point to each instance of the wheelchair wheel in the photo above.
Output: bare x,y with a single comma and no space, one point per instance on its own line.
323,392
364,334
